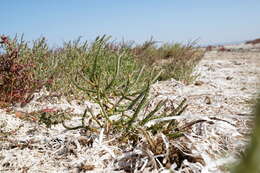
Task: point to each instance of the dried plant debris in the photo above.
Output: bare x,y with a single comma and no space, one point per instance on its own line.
72,149
157,154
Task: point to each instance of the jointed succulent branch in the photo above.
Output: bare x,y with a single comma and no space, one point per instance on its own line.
140,106
77,127
116,73
176,112
153,112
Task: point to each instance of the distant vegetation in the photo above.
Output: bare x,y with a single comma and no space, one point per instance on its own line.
256,41
25,69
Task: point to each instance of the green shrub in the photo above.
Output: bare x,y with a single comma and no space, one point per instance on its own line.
61,66
175,60
75,58
121,93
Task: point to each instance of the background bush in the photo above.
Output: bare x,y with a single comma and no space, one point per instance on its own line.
62,66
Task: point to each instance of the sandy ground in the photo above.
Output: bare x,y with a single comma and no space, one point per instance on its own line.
228,83
223,95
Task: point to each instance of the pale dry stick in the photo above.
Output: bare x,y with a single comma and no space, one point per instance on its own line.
167,147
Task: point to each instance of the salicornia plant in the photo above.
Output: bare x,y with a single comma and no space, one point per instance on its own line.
120,88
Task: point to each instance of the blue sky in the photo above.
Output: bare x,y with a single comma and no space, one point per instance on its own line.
211,21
